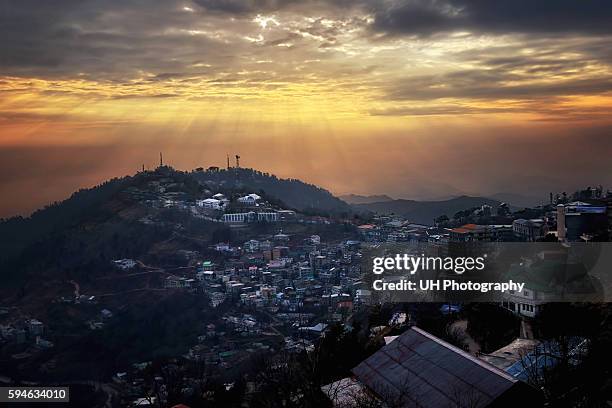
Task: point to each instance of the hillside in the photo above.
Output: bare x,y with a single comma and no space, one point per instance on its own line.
423,212
18,232
361,199
116,198
58,265
126,217
294,193
113,199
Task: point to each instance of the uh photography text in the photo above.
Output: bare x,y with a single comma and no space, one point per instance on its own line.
402,273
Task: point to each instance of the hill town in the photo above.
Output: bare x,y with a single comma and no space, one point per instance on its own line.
221,286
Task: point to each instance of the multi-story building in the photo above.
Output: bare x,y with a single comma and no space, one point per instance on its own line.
526,302
481,233
529,230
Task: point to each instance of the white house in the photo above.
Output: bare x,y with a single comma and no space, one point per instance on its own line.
212,203
250,199
526,302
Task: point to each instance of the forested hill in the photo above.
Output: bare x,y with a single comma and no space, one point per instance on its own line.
111,200
86,207
294,193
18,232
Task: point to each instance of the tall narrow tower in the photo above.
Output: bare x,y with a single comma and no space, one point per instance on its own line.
561,230
228,165
237,161
161,159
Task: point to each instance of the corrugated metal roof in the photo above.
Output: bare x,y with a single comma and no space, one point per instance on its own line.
419,369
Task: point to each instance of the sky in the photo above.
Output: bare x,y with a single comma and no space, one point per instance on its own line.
411,98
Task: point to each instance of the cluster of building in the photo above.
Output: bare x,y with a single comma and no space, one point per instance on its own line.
28,333
563,221
300,283
280,273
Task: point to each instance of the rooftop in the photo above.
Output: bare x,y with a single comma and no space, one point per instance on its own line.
421,369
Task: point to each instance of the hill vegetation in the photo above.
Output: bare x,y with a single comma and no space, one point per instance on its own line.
293,192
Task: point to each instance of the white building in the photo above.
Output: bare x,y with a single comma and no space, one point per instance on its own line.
251,245
205,275
250,199
212,203
250,217
526,302
267,216
237,217
124,263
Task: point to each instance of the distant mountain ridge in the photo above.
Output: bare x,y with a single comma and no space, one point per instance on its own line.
424,212
363,199
519,200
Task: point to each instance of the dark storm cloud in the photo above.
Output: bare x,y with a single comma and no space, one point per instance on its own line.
422,17
479,84
550,109
119,39
106,38
508,72
250,7
243,6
